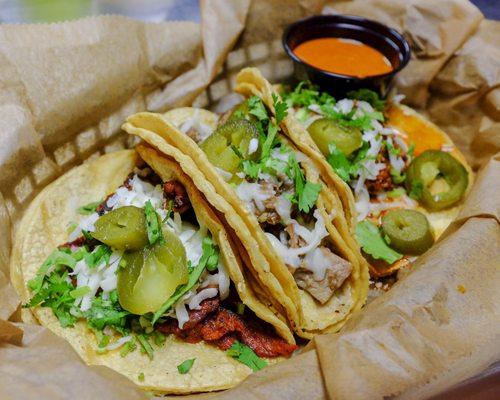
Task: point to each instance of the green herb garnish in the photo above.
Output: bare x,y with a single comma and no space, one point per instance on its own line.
372,242
153,225
145,346
247,356
185,366
89,208
369,96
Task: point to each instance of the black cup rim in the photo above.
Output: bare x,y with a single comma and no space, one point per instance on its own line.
355,20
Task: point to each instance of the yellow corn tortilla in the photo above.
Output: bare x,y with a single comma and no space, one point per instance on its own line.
43,228
306,316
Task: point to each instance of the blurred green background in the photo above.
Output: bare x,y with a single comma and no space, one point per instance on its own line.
14,11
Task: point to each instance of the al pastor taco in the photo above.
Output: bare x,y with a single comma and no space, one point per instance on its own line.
145,279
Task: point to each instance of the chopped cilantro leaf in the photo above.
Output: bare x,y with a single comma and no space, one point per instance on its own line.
55,293
153,225
128,347
309,195
145,346
280,109
369,96
106,312
246,355
372,242
185,366
416,188
397,177
159,338
395,193
306,193
210,255
87,235
71,227
411,149
101,254
393,150
141,377
272,130
256,108
79,292
251,168
57,257
240,308
306,94
88,209
339,162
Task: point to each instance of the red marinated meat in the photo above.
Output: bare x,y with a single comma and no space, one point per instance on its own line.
221,327
174,191
78,242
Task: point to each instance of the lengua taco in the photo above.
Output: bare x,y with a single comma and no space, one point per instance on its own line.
406,175
248,170
147,282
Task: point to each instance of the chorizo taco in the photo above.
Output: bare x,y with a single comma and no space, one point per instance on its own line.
290,226
144,279
407,177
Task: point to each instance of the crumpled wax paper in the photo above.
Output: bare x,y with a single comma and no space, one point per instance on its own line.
66,88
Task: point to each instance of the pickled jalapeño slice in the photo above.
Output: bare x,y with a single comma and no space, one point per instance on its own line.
150,276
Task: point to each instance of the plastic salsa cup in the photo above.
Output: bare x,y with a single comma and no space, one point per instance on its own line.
374,34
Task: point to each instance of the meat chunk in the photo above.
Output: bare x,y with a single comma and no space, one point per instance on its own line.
221,327
383,181
295,240
336,273
174,191
194,134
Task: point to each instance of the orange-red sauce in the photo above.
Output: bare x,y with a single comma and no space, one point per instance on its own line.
343,56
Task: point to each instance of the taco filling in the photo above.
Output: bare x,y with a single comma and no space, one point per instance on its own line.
140,266
395,186
267,176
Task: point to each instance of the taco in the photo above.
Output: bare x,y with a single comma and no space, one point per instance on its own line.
147,281
407,177
267,190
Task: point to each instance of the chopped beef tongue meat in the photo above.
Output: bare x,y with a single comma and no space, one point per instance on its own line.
176,192
194,134
221,327
337,272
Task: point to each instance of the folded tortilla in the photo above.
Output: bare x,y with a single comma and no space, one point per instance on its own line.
306,315
423,133
44,227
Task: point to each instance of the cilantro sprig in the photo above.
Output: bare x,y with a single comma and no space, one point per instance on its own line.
247,356
186,366
280,109
306,193
306,94
372,242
